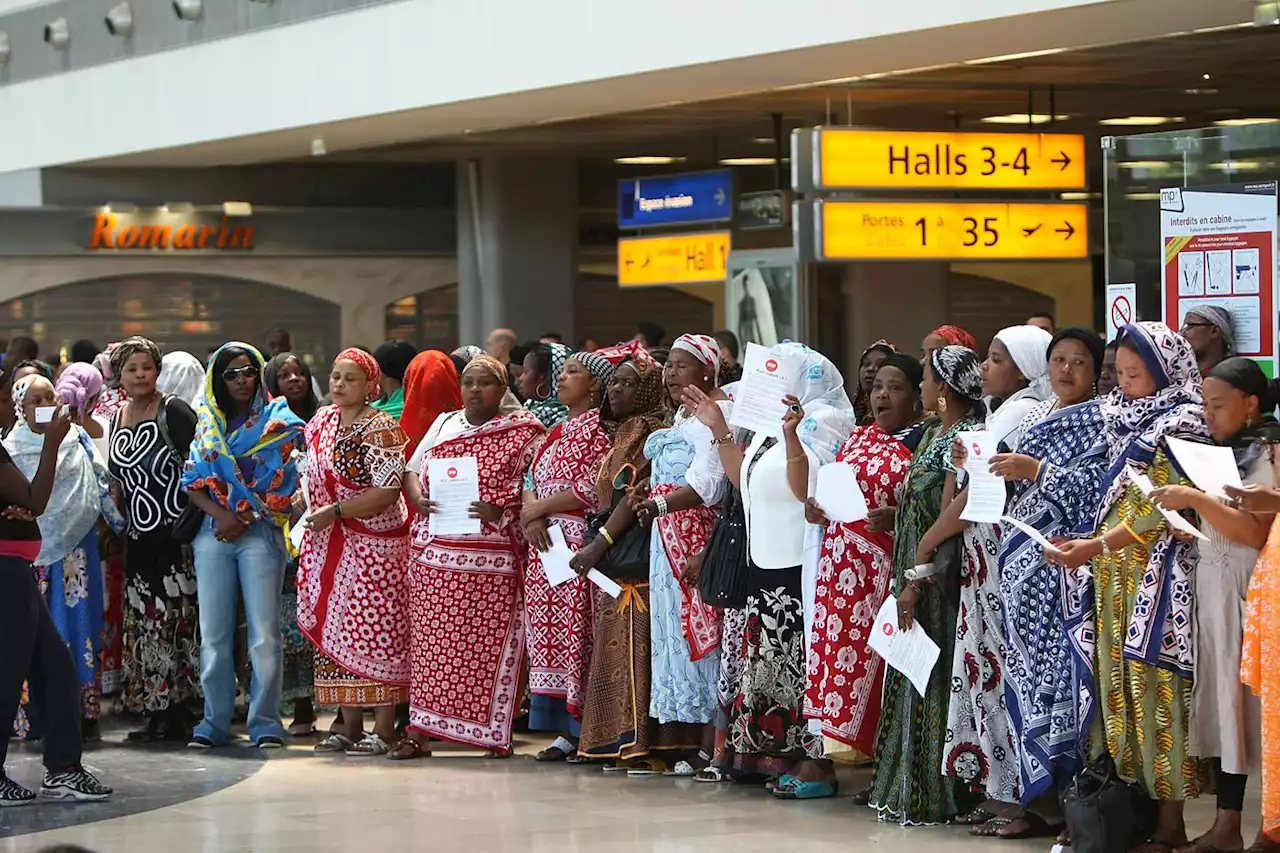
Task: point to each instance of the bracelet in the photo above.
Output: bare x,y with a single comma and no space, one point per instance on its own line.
1106,547
661,503
722,440
604,531
337,509
795,458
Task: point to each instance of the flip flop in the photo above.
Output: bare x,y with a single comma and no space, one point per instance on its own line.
408,749
974,818
647,767
560,749
791,788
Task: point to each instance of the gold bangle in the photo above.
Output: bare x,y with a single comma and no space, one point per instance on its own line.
604,531
795,458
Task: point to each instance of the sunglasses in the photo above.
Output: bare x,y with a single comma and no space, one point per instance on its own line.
246,372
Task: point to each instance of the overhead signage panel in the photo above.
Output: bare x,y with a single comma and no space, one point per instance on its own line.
699,258
676,199
958,231
847,158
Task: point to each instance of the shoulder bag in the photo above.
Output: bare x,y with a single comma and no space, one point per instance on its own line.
723,582
187,526
627,559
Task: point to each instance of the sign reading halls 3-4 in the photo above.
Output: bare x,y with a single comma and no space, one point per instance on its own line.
674,259
848,158
950,230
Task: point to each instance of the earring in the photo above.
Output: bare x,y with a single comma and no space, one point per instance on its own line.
942,404
706,379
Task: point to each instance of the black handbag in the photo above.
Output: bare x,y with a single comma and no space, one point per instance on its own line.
723,582
1106,814
187,525
627,559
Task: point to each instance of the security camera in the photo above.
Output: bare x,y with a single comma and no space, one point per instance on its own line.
119,20
188,10
4,47
57,34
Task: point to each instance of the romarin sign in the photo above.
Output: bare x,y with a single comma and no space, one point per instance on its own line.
110,235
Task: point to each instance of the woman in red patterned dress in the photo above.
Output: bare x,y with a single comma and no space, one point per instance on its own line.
560,489
467,634
352,595
856,565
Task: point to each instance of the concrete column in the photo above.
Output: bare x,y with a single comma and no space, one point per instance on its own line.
901,302
21,189
517,246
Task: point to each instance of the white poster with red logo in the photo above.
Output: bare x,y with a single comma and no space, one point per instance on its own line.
911,652
454,485
1219,248
767,377
1122,307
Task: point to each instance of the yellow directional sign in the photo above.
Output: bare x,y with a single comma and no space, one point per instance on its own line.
959,231
847,158
673,259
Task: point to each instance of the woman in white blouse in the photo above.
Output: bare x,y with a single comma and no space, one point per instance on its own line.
767,730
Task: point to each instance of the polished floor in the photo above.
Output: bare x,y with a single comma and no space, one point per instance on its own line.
239,799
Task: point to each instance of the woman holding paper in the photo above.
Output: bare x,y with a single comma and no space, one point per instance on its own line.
353,596
1016,373
854,566
560,489
909,786
467,647
1130,612
1225,714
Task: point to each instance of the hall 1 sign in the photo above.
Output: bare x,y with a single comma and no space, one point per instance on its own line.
135,235
955,231
700,258
848,158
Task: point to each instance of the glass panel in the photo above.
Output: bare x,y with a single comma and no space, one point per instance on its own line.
428,320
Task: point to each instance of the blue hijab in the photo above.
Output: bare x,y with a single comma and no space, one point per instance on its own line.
249,467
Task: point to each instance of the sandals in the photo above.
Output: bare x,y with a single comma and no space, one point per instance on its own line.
647,767
372,746
408,749
498,754
712,774
789,787
1036,827
1155,845
335,743
297,729
560,750
977,817
862,798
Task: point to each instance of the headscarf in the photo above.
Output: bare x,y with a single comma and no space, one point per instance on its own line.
551,411
271,375
828,412
78,384
648,416
81,485
955,336
1092,342
704,348
127,349
861,397
910,367
1220,317
394,358
265,441
597,365
113,397
183,376
959,368
369,365
467,353
1028,346
491,365
1246,376
1135,428
430,389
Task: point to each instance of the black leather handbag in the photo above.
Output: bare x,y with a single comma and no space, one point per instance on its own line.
187,526
1104,813
723,582
627,559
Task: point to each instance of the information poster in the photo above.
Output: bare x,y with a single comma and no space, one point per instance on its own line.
1219,248
1122,307
761,303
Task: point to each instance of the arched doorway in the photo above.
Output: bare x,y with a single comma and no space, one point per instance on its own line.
179,311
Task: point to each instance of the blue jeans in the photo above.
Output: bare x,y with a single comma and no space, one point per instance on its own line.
253,566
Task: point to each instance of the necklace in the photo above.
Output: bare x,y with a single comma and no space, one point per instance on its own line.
147,414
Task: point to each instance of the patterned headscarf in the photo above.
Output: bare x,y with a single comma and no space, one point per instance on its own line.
597,365
828,413
551,411
648,416
489,364
956,336
1220,317
702,347
430,389
78,384
1136,427
130,347
468,352
1028,346
959,367
369,365
265,440
113,396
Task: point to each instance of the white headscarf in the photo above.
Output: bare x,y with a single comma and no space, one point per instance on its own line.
1029,348
828,413
183,376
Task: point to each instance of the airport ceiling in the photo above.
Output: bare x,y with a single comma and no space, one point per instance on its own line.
1198,78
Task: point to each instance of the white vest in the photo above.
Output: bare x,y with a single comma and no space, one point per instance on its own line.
775,519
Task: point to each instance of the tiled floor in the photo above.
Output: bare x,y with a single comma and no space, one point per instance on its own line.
240,800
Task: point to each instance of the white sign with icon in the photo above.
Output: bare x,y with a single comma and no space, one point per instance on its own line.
454,486
767,377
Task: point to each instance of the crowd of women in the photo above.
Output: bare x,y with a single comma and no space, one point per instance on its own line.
1125,641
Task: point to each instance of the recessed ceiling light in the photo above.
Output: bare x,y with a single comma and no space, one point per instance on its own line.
188,10
1010,57
1142,196
1237,165
647,160
763,140
1144,164
749,161
1241,122
57,34
1024,118
1200,91
1205,77
237,208
1078,196
1141,121
179,208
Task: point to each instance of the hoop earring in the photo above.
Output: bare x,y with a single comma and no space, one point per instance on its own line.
942,404
538,391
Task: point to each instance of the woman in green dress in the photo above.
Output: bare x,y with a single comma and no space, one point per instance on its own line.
1130,592
908,786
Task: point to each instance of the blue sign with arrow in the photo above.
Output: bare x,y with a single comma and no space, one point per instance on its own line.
675,199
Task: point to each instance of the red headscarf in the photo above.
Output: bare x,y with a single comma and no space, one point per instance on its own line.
430,389
956,336
369,365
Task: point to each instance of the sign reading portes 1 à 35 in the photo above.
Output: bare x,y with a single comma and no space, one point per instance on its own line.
962,230
674,259
846,158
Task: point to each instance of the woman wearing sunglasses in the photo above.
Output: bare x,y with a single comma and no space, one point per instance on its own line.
242,475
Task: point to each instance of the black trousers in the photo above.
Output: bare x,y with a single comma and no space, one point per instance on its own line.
32,650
